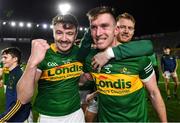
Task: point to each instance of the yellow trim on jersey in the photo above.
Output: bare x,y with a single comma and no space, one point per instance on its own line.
117,84
15,108
62,72
53,47
5,70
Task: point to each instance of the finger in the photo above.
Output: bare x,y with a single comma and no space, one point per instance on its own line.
93,62
96,66
99,69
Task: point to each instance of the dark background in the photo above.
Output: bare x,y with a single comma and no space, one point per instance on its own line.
152,16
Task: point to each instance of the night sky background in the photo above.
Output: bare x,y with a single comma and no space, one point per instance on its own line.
152,16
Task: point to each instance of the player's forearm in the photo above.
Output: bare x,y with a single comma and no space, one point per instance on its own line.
85,46
26,85
159,105
133,49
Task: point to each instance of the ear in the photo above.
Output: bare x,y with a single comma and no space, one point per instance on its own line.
116,32
76,34
15,59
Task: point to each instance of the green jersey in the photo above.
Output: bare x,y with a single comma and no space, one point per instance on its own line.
133,49
58,92
5,73
121,93
153,58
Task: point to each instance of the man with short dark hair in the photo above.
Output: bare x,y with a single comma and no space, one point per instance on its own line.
120,83
11,59
56,69
15,112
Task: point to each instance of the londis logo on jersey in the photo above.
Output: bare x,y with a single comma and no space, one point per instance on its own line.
66,71
117,84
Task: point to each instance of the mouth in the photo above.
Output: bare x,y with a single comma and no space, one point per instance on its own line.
124,36
100,40
63,44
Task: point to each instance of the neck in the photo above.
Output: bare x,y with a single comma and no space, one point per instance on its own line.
13,66
115,43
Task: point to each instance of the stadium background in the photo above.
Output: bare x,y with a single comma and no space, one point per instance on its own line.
151,20
22,39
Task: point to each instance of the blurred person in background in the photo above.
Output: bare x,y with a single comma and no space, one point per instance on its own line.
169,67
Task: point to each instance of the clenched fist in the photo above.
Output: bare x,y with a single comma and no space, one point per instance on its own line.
39,48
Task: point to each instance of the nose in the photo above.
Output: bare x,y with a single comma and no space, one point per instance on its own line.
64,37
99,31
126,30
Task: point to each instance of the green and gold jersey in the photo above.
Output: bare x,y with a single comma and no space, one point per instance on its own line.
121,92
5,75
58,92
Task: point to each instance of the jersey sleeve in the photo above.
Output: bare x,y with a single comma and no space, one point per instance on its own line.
42,64
133,49
146,69
16,113
85,46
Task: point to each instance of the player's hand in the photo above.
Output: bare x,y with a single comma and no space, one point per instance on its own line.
88,76
84,78
89,97
38,50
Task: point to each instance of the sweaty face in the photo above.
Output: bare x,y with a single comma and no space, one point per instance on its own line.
103,30
8,60
126,30
64,37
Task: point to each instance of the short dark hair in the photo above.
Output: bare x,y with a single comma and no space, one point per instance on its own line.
166,47
68,20
13,51
93,13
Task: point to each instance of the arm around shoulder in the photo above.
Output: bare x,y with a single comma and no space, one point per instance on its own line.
133,49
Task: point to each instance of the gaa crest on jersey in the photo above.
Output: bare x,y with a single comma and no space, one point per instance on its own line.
52,64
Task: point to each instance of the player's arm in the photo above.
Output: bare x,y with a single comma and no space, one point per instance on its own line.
85,46
123,51
133,49
149,79
91,96
26,84
156,98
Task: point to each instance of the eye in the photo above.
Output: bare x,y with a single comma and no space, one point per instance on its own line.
93,27
70,33
104,25
122,27
58,32
131,28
